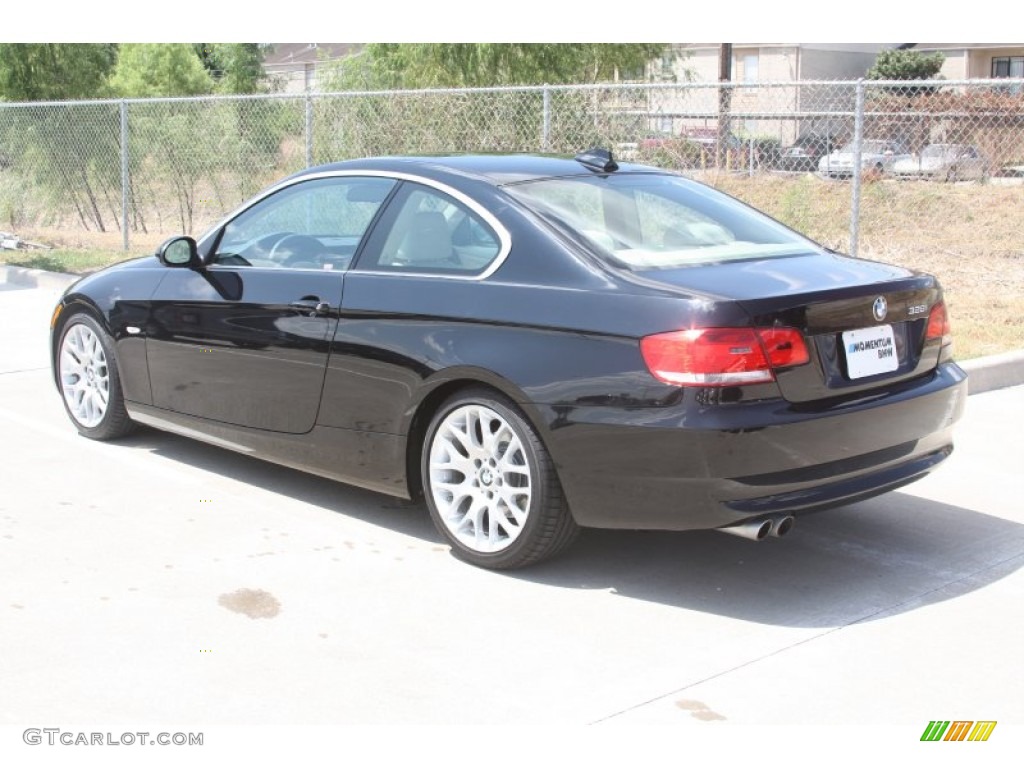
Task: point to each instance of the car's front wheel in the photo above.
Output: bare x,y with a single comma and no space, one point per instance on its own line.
490,484
89,379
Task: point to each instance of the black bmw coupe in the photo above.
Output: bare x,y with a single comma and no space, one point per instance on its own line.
531,344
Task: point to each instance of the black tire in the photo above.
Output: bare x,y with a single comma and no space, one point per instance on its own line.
114,421
546,527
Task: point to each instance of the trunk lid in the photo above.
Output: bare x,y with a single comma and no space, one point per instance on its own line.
864,322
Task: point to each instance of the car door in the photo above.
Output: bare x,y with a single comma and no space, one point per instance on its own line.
407,303
894,152
245,340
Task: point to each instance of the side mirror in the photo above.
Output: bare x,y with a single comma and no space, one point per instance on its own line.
179,251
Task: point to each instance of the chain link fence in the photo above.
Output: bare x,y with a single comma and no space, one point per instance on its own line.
859,166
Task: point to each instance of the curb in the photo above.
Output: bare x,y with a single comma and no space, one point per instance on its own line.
36,278
984,374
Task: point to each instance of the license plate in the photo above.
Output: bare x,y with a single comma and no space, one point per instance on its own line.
870,351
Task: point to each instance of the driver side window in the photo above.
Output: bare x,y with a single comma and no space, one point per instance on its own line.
316,224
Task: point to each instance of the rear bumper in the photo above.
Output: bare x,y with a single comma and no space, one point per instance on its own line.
693,466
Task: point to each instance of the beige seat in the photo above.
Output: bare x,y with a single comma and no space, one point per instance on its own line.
428,243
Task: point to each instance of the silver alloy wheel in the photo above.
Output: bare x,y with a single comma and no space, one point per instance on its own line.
84,376
480,478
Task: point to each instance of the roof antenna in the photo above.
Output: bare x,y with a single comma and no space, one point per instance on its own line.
598,159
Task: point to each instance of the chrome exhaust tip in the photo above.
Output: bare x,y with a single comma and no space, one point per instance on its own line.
782,525
757,530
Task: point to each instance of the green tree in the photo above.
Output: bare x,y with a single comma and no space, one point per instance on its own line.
425,65
66,156
235,67
164,135
160,69
209,58
55,71
905,65
360,124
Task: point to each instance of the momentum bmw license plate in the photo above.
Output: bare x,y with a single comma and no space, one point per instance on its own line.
870,351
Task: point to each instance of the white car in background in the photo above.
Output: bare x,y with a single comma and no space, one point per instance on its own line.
944,162
875,154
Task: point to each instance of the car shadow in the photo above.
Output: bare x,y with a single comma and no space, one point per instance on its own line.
864,562
395,514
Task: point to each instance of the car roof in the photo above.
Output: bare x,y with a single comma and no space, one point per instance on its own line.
495,169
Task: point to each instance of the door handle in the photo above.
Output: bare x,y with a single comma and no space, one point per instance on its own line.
312,306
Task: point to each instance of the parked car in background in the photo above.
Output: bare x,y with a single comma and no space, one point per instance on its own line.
878,155
708,138
944,162
804,154
694,147
705,138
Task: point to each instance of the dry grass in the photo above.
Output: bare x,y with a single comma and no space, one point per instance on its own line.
79,240
77,251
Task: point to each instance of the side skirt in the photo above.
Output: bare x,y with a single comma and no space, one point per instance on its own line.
371,460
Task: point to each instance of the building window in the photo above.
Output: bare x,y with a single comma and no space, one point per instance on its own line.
1008,66
744,66
749,73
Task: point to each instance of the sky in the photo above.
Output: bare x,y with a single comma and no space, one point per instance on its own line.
481,21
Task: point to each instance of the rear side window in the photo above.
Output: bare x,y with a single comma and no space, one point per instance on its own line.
426,231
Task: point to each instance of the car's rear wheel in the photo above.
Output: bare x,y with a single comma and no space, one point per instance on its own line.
89,380
490,484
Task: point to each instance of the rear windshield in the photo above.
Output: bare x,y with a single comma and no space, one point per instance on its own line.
651,221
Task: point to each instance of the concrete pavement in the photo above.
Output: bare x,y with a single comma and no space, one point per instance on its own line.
164,579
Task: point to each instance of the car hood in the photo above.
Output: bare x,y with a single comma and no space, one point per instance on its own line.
139,262
134,262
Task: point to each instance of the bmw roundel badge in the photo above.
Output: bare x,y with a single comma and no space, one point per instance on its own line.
880,308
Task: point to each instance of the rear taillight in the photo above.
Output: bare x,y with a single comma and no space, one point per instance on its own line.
722,357
938,325
784,346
